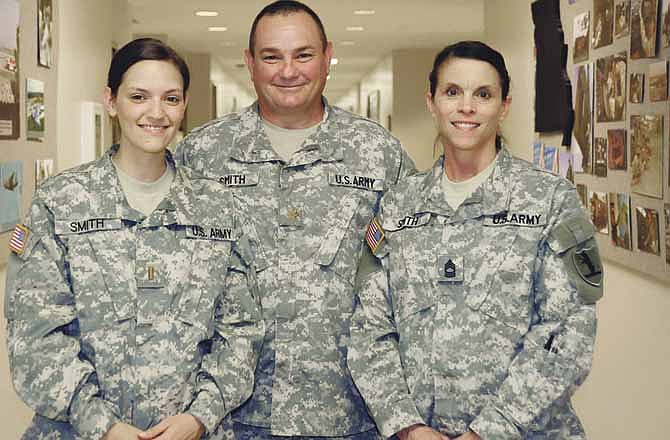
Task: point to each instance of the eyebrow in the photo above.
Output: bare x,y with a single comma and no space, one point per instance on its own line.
139,89
490,86
297,49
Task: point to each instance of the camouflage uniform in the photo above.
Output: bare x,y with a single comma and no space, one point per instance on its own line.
311,214
481,318
116,317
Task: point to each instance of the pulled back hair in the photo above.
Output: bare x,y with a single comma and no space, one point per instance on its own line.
286,7
143,49
473,50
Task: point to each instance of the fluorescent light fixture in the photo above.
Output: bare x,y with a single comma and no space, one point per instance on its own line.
355,28
334,61
364,12
206,13
217,28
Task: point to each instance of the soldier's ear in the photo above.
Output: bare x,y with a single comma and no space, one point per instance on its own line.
110,102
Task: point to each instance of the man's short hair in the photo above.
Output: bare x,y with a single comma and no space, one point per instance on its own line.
286,7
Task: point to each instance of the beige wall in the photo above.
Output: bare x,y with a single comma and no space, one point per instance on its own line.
227,89
200,90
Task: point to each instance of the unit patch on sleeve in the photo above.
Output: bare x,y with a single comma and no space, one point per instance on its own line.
375,235
18,240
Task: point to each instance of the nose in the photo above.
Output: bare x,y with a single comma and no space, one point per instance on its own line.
288,69
156,110
466,104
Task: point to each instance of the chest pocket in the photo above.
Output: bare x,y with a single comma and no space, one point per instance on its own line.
210,249
355,198
101,271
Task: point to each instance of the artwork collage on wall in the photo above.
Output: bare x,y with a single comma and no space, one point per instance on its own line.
620,145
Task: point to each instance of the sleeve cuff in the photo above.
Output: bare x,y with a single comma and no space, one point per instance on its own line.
90,416
491,424
208,407
396,417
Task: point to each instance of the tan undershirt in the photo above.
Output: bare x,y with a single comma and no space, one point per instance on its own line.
457,192
286,141
145,196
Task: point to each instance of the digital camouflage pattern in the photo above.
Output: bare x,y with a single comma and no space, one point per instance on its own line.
310,215
478,318
116,317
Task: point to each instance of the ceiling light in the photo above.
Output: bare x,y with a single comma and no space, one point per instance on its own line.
347,43
334,61
217,28
206,13
364,12
355,28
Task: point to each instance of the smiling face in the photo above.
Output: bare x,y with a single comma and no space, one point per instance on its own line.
149,105
289,67
468,106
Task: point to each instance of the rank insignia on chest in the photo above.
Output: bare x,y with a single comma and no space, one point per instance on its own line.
18,240
375,235
450,269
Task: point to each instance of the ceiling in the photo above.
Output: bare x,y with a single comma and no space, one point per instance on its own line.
396,24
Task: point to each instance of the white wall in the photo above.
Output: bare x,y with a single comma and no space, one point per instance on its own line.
380,78
227,90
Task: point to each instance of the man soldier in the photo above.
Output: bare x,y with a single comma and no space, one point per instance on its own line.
313,175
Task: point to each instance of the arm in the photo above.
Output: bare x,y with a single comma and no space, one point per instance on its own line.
227,375
557,350
374,359
47,368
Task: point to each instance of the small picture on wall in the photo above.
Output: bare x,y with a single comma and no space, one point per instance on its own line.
598,205
620,224
565,165
611,88
373,106
616,149
646,149
647,230
658,81
537,154
643,20
600,157
621,18
665,24
549,158
666,209
44,169
582,130
580,30
10,119
44,33
603,22
636,93
35,110
11,177
582,192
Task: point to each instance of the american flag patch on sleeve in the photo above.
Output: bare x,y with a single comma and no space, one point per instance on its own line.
18,240
375,234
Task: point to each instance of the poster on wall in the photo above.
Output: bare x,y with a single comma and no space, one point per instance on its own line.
603,22
616,149
35,109
665,24
666,209
9,70
658,81
583,195
580,29
636,93
621,18
583,93
643,18
565,165
598,205
11,177
620,224
537,154
611,88
373,105
600,157
44,169
44,33
646,151
647,230
549,158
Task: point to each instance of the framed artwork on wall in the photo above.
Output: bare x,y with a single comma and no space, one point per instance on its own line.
9,70
373,105
92,131
44,33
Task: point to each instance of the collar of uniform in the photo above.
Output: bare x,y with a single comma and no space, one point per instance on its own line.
109,200
175,206
251,144
490,198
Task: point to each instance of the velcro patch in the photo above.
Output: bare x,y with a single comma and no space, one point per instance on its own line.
362,182
527,219
211,233
81,226
249,179
374,235
19,238
413,221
